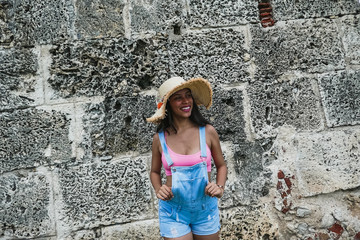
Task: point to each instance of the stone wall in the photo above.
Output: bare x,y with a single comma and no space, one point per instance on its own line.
78,79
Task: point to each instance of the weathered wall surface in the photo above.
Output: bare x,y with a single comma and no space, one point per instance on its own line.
78,79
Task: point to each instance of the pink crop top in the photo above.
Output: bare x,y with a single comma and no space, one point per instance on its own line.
185,160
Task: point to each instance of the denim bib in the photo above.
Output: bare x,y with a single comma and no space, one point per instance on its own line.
189,182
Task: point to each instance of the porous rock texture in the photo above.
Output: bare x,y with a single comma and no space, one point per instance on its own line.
79,78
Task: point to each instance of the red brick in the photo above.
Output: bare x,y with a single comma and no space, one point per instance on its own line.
288,182
285,210
336,228
281,174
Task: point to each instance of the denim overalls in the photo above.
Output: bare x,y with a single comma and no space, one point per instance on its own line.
190,210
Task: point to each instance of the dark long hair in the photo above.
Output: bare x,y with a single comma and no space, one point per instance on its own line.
196,117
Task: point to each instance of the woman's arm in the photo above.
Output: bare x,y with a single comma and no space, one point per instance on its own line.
163,192
213,189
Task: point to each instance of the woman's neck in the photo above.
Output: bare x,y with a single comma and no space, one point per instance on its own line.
183,123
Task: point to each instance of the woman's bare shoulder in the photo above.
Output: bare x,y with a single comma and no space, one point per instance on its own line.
156,137
211,133
210,129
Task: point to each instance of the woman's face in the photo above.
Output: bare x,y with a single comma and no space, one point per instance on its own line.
181,103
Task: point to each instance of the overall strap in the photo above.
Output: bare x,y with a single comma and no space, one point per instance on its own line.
202,141
165,149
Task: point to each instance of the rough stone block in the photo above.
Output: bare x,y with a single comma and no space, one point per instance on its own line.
105,193
289,102
9,100
16,62
25,201
227,114
34,21
250,181
16,68
340,94
32,137
148,229
295,9
304,45
157,15
99,19
222,13
84,235
6,32
350,30
108,67
327,162
250,222
219,56
118,125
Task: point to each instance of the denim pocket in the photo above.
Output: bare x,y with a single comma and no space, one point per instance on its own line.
165,209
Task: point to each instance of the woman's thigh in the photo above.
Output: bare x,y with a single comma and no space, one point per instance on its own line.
214,236
188,236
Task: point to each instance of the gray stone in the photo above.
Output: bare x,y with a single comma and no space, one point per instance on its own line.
105,193
249,222
6,32
227,114
219,56
15,62
295,9
31,137
126,128
15,68
328,162
118,125
302,212
148,230
252,180
33,21
24,206
274,104
303,45
350,30
9,100
340,94
157,15
108,67
99,19
302,228
222,12
84,235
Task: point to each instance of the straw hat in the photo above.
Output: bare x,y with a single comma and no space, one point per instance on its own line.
200,90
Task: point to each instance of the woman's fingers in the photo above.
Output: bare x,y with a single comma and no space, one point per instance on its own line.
213,190
164,193
210,189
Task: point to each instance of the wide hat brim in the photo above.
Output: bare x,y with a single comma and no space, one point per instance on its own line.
200,90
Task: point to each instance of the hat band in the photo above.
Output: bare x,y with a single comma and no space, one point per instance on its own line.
159,105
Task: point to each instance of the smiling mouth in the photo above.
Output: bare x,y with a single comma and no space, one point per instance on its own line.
186,109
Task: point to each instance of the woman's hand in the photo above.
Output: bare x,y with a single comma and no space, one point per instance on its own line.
164,193
213,190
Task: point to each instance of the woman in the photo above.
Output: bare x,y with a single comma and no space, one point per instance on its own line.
184,144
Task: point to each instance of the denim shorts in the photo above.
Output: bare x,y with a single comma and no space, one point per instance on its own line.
176,220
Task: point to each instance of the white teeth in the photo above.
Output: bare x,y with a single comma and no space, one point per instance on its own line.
185,108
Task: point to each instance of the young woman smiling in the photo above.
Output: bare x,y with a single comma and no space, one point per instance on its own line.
185,144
